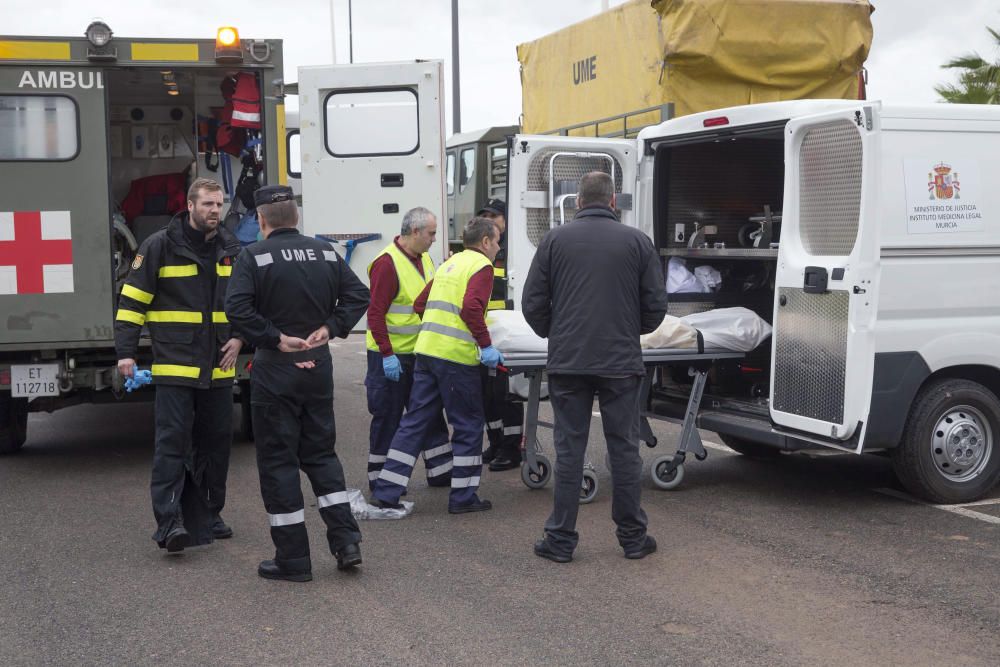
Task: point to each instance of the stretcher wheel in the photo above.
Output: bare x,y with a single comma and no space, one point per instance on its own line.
588,490
663,479
701,456
539,480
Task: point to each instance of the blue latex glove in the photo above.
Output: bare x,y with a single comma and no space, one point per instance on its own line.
138,379
490,356
392,368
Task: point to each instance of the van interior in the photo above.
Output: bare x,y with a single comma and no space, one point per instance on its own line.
718,203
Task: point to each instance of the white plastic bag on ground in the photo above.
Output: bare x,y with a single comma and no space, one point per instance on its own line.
680,279
510,332
362,510
672,333
737,329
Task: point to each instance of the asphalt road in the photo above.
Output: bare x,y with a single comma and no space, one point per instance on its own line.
806,560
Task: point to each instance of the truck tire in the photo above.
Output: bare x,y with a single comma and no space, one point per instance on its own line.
246,420
949,450
754,450
13,422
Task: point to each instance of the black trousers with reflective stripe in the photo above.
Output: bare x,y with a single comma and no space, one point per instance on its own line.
294,429
194,433
504,417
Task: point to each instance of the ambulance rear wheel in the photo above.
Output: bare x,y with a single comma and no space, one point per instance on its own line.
754,450
949,450
588,490
663,477
537,480
13,422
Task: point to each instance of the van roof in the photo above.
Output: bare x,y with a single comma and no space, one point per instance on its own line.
756,114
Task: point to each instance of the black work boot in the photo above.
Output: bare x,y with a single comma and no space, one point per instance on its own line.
648,546
349,556
544,550
177,539
474,505
269,569
220,530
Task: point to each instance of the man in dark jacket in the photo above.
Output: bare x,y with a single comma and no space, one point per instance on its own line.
594,286
290,295
176,289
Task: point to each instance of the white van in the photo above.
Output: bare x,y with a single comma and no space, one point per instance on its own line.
868,236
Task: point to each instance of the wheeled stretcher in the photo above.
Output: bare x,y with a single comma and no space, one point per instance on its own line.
667,471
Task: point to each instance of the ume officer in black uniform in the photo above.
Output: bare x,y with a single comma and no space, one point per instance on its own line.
288,295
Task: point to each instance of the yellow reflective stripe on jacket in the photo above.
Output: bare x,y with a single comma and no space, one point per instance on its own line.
176,370
219,317
178,271
219,374
223,270
185,316
496,304
401,322
130,316
444,334
137,294
499,273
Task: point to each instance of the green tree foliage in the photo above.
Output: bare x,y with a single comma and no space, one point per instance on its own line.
978,80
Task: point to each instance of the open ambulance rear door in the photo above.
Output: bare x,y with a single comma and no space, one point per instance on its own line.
542,180
826,287
372,147
55,223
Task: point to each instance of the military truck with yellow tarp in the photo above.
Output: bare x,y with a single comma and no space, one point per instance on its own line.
642,62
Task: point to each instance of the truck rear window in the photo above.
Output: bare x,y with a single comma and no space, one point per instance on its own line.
371,122
38,127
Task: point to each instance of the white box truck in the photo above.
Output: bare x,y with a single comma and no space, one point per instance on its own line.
867,234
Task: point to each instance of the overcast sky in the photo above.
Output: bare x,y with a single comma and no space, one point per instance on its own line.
912,37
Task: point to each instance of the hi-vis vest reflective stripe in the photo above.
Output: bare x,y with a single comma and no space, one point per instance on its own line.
443,334
403,324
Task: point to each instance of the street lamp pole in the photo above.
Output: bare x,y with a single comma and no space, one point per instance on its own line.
350,34
456,95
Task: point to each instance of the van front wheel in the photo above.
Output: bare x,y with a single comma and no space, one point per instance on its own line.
949,451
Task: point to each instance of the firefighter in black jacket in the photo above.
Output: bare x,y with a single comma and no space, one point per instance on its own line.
177,289
289,295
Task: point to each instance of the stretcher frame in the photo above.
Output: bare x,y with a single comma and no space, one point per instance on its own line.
667,471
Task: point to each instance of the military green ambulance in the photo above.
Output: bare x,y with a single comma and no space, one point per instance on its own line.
85,122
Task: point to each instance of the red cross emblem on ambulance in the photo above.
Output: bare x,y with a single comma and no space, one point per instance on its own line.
36,252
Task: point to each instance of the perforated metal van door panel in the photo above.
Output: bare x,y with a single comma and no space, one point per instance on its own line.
811,344
830,188
568,168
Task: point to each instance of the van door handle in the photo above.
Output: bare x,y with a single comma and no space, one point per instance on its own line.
815,280
859,290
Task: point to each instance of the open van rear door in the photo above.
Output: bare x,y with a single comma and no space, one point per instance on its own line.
55,223
823,347
372,147
542,180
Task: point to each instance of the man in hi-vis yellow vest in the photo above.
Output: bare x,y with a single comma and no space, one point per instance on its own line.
452,343
396,277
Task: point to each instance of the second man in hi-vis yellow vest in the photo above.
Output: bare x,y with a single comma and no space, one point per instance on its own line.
397,276
452,343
